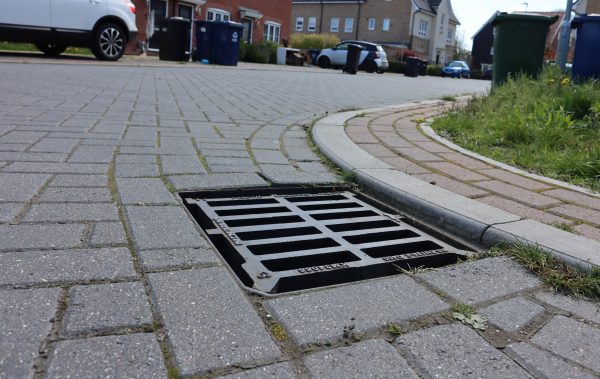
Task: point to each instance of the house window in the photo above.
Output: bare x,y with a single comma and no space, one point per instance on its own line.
299,24
423,25
372,23
449,37
272,31
386,25
348,24
335,24
213,14
312,24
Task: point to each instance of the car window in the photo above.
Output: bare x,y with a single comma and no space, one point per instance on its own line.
342,46
455,64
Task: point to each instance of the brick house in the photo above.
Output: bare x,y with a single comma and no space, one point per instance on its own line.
262,19
425,26
588,7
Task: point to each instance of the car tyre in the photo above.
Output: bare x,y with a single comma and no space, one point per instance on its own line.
109,42
443,75
324,62
370,67
51,49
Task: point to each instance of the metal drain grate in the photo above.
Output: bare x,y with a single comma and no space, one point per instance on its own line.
281,240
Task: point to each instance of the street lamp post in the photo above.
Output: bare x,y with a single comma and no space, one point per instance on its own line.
563,36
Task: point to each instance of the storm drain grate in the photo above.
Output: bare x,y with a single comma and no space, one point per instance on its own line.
288,239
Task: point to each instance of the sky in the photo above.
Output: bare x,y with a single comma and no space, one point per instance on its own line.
472,14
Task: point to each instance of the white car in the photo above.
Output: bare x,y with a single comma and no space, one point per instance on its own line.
105,26
372,57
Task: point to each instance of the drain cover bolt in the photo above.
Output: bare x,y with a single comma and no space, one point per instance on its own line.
263,275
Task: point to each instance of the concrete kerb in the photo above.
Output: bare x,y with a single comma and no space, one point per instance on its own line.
468,219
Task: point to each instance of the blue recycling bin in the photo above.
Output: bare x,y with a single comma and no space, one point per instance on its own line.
218,42
586,61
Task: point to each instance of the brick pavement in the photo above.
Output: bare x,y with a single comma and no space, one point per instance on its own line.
102,272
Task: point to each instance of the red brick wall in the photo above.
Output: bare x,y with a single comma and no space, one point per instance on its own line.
279,11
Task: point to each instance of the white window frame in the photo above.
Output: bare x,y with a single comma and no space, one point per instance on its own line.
371,23
385,26
449,37
212,14
312,24
192,21
348,24
272,31
423,28
299,24
334,27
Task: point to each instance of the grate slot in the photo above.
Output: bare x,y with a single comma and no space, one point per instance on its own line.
378,237
294,263
284,247
400,249
263,221
338,215
304,199
321,206
278,233
361,225
230,203
251,211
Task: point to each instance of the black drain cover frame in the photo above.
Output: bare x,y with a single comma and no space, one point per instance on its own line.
286,239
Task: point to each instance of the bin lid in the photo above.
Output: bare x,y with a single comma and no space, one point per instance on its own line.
582,19
530,17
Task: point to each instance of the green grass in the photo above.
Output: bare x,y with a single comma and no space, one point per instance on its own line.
30,47
556,274
548,126
448,98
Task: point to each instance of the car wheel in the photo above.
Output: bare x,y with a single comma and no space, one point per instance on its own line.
370,67
324,62
109,42
443,75
51,49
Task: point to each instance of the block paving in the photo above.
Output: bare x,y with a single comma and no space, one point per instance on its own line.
103,273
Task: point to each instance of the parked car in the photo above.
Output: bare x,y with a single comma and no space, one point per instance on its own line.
105,26
456,69
372,57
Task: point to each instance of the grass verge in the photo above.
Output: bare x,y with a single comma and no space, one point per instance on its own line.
549,126
554,273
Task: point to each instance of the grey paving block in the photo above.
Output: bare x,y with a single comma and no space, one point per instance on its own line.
482,280
155,227
270,156
189,182
298,177
512,314
72,212
93,154
33,157
227,151
79,195
136,159
128,356
108,233
144,191
456,351
58,168
8,211
217,168
580,307
571,339
132,170
65,266
368,359
277,370
299,154
224,330
20,187
154,260
181,165
542,364
98,308
25,321
367,306
66,180
47,236
55,145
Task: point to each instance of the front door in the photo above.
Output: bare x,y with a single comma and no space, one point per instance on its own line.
187,11
159,9
247,31
76,14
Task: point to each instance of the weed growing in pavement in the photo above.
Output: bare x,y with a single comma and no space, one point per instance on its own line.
566,227
448,98
348,176
466,314
393,329
556,274
549,126
278,332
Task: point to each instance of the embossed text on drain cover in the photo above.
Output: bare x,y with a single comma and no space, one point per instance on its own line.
288,239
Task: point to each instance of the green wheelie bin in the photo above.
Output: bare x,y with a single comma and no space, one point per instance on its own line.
519,44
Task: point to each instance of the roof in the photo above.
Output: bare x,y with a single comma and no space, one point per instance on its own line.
431,6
